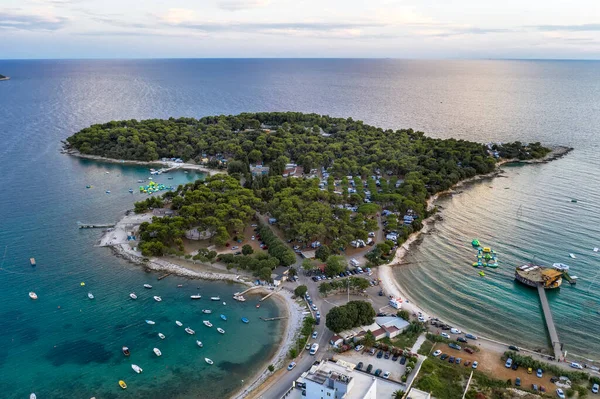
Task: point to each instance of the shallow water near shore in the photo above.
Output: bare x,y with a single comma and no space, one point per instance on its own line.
44,195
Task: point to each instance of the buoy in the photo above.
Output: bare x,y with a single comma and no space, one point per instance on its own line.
82,284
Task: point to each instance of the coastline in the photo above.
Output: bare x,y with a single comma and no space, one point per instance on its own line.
391,286
168,164
116,240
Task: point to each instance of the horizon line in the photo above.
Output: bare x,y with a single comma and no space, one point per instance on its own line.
295,58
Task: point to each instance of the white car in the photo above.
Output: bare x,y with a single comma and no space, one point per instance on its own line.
291,365
359,348
437,353
422,319
252,238
577,366
307,346
386,375
234,248
455,331
475,364
560,393
315,334
595,388
314,307
445,335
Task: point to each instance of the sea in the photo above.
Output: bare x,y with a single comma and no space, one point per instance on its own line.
65,345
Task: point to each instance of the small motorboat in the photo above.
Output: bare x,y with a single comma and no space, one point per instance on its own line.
141,181
207,323
147,286
207,360
126,351
32,396
199,343
82,284
239,298
221,330
122,384
178,323
215,298
245,320
561,267
150,322
131,190
223,317
572,256
161,335
157,352
224,303
257,305
190,331
32,295
132,295
157,298
206,311
179,285
90,295
595,249
136,368
107,191
197,296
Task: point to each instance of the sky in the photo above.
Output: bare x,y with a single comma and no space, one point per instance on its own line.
438,29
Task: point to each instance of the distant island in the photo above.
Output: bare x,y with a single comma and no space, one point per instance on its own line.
2,77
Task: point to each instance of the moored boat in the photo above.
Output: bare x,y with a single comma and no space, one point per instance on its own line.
221,330
239,298
147,286
257,305
560,266
207,323
199,343
32,396
223,317
157,352
90,295
245,320
126,351
157,298
190,331
215,298
206,311
136,368
122,384
197,296
572,256
150,322
178,323
33,295
207,360
132,295
32,261
161,335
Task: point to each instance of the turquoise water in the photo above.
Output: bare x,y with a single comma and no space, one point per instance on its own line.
527,215
43,196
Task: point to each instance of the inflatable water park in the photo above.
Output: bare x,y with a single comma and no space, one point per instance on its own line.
154,187
486,256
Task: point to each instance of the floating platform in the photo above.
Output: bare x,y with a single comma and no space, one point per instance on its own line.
32,261
534,276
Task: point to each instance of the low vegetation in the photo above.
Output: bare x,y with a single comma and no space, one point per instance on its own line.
303,336
353,284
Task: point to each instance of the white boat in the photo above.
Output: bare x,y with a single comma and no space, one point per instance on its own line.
560,266
595,249
572,256
224,303
199,343
136,368
215,298
132,295
147,286
207,323
150,322
32,295
197,296
32,396
161,335
90,295
157,298
207,360
221,330
178,323
239,298
190,331
206,311
157,352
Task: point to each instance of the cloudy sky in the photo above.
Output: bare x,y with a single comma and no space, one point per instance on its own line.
300,28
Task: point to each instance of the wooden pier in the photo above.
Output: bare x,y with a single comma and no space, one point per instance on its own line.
268,295
163,276
95,226
243,292
556,345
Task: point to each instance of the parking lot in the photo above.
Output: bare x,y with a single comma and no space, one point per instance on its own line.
395,368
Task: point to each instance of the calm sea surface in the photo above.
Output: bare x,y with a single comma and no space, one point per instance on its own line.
66,346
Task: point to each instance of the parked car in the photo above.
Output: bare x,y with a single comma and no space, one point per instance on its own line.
455,331
471,336
560,393
517,382
458,360
467,363
542,388
314,307
359,366
454,346
444,356
529,370
445,335
291,365
307,347
422,319
378,372
553,379
359,348
386,355
386,375
395,357
475,364
372,351
461,339
437,353
315,334
515,365
508,363
534,387
577,366
539,373
514,348
595,388
369,368
402,360
469,350
379,354
451,359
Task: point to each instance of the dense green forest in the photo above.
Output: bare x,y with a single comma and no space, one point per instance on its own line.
352,171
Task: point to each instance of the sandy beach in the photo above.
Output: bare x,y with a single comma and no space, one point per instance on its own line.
116,239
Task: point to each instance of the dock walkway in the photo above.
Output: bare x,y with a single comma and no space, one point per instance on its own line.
245,291
556,346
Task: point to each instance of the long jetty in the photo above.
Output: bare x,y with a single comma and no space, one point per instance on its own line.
268,295
243,292
95,226
556,345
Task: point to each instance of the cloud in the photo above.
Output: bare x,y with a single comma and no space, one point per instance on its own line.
236,5
266,27
570,28
31,21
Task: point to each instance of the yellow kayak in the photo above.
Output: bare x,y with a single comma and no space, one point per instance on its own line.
122,384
